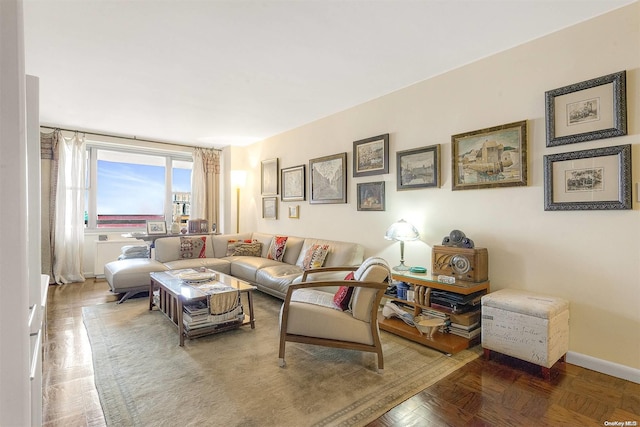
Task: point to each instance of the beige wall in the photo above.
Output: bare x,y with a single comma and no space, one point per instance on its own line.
592,258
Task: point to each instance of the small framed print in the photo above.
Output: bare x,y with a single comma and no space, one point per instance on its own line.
418,168
371,196
156,227
371,156
293,184
270,207
294,211
597,179
585,111
269,177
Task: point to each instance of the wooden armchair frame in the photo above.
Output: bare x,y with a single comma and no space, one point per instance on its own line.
376,347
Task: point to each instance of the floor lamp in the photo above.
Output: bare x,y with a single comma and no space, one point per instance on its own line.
238,179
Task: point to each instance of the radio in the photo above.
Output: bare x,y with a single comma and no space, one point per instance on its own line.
468,264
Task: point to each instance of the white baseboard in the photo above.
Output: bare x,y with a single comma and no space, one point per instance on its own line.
604,366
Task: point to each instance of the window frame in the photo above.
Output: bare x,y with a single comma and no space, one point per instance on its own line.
184,154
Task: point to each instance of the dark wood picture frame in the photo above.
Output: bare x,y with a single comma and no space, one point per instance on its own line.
371,196
418,168
490,158
586,111
596,179
328,179
371,156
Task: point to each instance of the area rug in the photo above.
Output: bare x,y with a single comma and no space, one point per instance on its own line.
145,378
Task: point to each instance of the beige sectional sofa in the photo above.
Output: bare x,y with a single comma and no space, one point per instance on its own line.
131,276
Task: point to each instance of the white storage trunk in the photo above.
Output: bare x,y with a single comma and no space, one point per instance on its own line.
526,325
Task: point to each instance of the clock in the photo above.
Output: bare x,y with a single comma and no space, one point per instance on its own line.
467,264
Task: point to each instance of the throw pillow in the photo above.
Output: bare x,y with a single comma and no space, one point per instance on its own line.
232,244
193,247
277,248
314,258
248,249
342,297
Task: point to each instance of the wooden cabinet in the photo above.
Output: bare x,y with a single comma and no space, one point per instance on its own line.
445,342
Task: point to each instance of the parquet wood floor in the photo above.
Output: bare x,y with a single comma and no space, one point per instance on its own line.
499,392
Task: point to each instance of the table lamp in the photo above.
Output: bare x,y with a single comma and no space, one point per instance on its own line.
401,231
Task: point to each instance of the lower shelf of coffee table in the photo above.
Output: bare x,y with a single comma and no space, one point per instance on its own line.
447,343
214,329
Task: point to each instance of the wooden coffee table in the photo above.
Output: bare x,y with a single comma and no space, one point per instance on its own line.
174,294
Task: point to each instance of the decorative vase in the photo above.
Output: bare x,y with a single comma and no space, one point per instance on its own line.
175,228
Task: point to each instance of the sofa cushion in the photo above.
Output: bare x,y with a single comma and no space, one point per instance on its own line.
131,274
277,248
248,249
233,244
340,253
219,242
246,267
168,248
265,239
314,257
276,279
193,247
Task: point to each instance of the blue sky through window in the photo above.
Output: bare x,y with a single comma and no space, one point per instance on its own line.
135,189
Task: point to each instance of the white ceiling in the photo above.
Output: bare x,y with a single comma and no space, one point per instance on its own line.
217,73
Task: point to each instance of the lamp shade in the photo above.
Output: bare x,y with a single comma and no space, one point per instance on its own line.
402,231
238,178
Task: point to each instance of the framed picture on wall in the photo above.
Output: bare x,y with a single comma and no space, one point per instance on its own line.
370,196
328,179
418,168
294,211
293,183
371,156
597,179
585,111
270,207
269,177
488,158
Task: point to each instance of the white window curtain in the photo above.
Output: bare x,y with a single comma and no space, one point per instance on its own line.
205,193
69,210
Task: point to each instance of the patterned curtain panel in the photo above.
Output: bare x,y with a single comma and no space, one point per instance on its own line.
49,177
205,185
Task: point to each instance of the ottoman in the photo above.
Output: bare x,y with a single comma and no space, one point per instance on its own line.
131,276
526,325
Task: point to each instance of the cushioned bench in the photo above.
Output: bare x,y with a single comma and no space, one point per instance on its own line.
526,325
131,276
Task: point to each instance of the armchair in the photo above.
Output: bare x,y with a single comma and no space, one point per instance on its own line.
310,316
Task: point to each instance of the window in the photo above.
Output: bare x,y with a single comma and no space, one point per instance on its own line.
127,187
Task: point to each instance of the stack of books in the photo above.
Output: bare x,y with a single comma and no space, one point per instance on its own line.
466,324
196,315
455,303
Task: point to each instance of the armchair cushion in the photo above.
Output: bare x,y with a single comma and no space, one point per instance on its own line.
373,269
315,320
